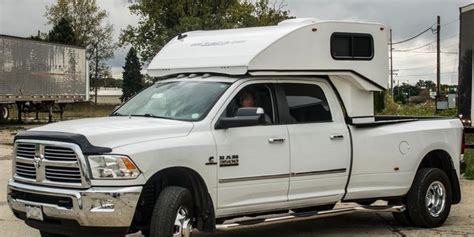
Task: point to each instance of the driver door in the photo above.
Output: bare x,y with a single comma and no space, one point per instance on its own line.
254,160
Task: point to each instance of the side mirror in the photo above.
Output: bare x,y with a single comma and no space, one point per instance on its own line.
244,117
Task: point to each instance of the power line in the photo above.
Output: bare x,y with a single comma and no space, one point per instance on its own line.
430,65
425,74
429,43
452,36
415,36
451,22
415,48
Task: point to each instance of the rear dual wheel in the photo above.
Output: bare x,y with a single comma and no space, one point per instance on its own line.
429,200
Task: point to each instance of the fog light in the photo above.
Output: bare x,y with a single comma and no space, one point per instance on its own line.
102,205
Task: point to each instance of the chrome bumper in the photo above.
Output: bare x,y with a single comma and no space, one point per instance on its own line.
93,207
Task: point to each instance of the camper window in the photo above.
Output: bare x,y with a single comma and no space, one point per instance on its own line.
352,46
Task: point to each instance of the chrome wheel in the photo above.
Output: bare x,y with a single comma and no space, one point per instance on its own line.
182,224
435,199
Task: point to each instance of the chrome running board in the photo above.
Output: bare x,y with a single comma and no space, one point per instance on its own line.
308,216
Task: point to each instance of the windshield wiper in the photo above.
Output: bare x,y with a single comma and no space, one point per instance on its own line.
148,115
118,114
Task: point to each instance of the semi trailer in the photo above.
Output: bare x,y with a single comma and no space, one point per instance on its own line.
38,76
466,53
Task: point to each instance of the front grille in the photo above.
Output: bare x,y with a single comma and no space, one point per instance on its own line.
59,153
63,174
26,170
48,164
25,150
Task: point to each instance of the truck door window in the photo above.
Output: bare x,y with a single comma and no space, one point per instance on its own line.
306,103
257,95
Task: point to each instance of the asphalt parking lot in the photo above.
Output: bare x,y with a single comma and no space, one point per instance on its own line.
460,222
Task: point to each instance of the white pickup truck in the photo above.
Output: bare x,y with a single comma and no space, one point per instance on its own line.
271,121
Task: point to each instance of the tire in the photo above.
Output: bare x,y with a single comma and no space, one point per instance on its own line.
4,112
431,186
165,213
402,218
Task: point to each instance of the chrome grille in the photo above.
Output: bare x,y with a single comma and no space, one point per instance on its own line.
25,150
63,174
25,170
59,153
50,163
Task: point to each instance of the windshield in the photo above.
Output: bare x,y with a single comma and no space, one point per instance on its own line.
180,100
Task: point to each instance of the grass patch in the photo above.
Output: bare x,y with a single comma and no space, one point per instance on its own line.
425,109
88,110
469,159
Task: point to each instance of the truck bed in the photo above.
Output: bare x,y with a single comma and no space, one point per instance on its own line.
387,152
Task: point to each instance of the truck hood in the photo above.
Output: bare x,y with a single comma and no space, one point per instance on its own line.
121,130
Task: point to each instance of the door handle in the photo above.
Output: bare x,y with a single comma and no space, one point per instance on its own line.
336,137
276,140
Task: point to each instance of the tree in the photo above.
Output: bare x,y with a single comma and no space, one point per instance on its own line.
132,77
429,85
161,20
62,32
379,101
401,93
91,30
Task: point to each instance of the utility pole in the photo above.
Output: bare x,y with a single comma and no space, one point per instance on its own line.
391,64
96,71
438,59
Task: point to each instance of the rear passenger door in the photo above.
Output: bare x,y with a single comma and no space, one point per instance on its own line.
319,140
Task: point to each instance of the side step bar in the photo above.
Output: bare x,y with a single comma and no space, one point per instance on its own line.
309,215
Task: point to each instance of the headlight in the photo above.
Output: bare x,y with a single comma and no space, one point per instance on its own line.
112,167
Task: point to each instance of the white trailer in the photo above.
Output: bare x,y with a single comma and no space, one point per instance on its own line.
36,75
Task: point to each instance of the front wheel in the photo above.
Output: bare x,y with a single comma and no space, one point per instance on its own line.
172,214
429,199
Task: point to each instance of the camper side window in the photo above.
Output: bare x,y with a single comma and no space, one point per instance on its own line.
352,46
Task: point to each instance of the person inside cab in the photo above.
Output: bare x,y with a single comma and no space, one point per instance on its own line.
247,99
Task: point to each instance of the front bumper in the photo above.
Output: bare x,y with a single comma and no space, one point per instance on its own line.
112,207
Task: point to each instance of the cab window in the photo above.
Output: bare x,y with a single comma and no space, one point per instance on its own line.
256,95
306,103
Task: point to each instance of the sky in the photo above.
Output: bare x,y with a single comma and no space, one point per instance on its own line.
405,17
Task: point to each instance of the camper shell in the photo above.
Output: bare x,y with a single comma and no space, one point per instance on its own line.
352,55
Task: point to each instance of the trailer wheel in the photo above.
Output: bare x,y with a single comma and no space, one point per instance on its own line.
429,199
4,112
172,214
